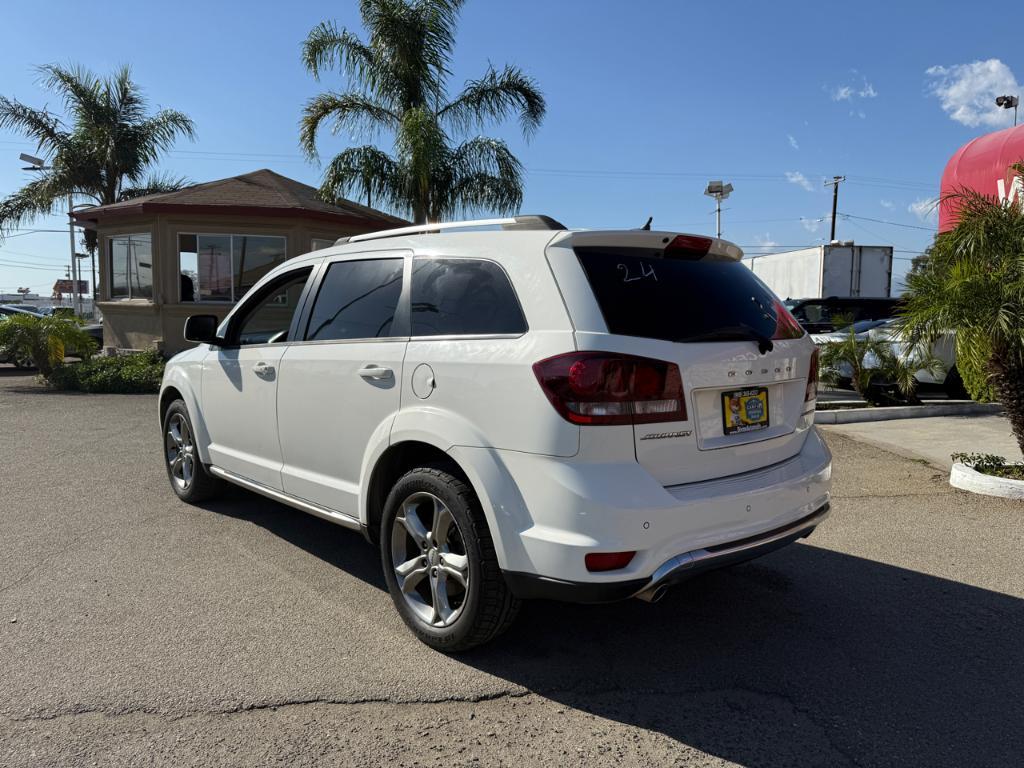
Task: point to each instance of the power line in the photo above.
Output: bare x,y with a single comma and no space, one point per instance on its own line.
890,223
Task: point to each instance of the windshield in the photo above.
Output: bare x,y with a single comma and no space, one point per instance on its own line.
644,294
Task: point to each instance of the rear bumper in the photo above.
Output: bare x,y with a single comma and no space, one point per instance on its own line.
530,586
546,514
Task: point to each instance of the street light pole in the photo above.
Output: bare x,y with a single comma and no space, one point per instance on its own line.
39,165
1009,101
720,192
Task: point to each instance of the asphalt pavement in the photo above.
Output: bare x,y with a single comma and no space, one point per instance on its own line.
137,630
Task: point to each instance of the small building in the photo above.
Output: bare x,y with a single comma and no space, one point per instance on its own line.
197,250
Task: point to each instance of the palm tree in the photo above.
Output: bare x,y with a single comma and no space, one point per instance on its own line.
873,369
102,154
43,340
973,284
400,75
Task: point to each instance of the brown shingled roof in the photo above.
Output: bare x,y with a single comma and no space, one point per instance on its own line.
261,192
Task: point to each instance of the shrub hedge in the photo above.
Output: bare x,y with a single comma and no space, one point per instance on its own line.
136,373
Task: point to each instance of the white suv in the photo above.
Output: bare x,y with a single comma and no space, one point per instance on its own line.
528,412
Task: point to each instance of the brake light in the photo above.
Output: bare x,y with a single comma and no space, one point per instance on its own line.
612,388
608,561
812,379
786,326
688,246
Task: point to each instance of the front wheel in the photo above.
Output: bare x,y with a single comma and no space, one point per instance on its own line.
439,562
189,478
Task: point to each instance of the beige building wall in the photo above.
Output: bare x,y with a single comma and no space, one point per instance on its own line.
160,323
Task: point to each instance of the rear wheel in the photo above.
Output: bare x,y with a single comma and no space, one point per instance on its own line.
440,564
189,478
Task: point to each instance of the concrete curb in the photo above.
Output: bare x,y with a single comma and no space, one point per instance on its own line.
967,479
856,415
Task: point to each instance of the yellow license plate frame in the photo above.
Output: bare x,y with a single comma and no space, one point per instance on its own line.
745,410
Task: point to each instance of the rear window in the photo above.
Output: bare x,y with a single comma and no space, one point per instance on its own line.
458,297
641,294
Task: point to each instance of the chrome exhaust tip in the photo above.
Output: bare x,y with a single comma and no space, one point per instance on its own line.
653,595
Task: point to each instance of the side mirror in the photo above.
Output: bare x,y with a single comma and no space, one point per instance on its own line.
202,329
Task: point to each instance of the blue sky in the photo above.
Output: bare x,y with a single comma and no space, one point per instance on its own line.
647,101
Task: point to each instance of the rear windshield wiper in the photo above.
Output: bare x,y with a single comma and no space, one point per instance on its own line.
734,332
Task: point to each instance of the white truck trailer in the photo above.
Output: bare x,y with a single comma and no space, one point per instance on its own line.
840,269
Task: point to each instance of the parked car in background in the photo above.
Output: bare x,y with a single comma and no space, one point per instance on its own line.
827,315
944,350
95,330
526,413
945,376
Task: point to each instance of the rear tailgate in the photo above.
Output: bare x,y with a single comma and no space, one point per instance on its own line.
745,403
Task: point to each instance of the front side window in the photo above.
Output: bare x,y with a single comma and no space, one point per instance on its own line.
131,266
357,300
269,318
463,297
225,267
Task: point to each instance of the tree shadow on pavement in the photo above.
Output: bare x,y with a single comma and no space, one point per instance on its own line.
806,657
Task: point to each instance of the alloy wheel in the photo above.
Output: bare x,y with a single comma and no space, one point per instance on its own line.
180,451
428,554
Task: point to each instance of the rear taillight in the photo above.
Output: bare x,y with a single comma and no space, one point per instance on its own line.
786,326
612,388
812,379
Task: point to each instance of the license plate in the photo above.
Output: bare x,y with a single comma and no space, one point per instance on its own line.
745,410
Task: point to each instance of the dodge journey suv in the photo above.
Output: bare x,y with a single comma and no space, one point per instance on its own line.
511,410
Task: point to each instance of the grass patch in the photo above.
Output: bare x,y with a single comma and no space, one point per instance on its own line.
138,373
990,464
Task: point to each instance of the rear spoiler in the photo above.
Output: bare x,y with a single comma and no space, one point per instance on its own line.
693,246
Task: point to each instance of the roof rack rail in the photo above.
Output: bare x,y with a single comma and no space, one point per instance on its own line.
515,222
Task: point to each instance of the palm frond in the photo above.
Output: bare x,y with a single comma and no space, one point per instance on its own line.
36,124
155,184
326,45
40,197
367,174
346,111
494,97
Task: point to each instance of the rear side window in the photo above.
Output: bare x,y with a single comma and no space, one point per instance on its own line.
641,294
357,300
458,297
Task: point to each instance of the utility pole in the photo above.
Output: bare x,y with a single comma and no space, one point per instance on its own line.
836,180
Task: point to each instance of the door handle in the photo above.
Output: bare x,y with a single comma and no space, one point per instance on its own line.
376,372
263,370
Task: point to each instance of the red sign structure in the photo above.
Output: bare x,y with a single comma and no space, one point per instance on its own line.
66,286
984,166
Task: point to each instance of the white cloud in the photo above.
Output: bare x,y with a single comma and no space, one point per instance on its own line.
765,240
886,204
795,177
924,208
853,90
967,92
792,142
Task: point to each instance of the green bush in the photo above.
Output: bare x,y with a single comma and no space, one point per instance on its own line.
124,374
976,379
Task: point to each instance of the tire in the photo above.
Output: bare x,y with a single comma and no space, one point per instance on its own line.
188,477
446,612
954,386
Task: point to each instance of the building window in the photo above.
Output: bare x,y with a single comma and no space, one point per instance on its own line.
225,267
319,243
131,266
